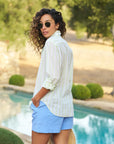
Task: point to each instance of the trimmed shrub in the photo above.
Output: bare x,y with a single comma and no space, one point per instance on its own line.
96,90
80,92
73,90
17,80
8,137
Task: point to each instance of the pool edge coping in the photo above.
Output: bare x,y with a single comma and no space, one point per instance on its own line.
18,88
100,105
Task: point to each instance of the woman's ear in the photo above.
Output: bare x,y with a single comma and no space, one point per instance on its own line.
57,26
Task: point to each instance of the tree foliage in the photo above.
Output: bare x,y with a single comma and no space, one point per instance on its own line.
95,17
15,17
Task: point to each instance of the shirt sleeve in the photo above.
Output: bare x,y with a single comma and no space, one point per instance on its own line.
53,66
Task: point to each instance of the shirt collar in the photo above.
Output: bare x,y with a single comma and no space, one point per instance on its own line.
56,33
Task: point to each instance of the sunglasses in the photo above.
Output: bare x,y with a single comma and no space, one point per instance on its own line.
47,24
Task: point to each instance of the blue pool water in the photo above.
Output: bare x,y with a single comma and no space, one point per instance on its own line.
91,126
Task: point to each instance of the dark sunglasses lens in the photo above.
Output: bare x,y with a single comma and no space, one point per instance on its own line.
47,24
40,25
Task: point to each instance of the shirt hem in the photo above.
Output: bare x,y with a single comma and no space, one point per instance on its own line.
56,113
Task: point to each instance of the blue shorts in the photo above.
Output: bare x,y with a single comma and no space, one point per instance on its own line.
43,121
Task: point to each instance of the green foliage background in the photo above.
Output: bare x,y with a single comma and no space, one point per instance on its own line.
94,17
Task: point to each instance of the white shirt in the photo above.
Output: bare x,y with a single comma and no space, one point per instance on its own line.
56,73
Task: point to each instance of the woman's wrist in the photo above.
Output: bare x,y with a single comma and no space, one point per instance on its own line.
37,97
43,91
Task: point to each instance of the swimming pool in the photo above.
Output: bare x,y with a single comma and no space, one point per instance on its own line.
91,126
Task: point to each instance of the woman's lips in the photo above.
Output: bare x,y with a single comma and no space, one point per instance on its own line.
45,33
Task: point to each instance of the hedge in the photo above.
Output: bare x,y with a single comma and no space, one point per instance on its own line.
17,80
8,137
96,90
80,92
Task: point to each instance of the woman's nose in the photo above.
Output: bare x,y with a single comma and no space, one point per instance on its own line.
43,26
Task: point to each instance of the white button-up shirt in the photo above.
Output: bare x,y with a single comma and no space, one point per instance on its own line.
56,73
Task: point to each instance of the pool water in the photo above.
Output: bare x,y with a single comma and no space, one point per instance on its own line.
91,126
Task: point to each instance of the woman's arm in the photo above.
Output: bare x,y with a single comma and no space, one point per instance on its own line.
43,91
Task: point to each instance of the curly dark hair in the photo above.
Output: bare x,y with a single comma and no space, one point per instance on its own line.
36,37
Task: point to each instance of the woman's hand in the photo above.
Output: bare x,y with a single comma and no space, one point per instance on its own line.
35,101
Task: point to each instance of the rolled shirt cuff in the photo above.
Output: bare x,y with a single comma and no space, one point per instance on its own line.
48,84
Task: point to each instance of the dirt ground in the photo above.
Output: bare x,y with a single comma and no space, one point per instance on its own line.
93,62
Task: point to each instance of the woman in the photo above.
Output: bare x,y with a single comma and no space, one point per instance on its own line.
52,103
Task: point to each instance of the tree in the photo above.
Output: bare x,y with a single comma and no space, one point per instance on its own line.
97,16
15,17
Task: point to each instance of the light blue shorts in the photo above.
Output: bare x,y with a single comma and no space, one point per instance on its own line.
43,121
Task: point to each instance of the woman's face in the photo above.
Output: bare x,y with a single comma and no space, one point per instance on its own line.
48,29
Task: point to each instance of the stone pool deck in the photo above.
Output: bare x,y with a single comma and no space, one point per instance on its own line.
94,103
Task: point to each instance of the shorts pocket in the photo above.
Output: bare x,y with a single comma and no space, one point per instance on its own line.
33,107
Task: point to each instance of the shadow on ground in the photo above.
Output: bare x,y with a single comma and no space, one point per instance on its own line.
102,76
